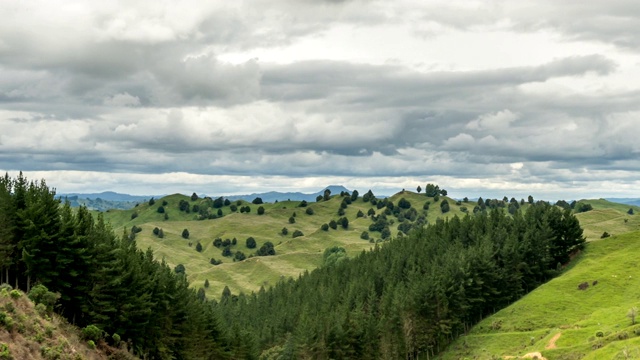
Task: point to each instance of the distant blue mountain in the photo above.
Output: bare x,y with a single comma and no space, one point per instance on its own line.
108,195
272,196
628,201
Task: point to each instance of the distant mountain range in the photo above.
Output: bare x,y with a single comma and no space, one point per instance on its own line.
628,201
272,196
112,200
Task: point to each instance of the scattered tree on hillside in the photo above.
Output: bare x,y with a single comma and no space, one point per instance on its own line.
284,231
319,198
194,197
160,233
134,215
344,222
333,224
160,209
199,247
303,203
239,256
354,195
419,189
327,194
227,202
266,249
180,269
404,204
292,220
251,243
185,234
257,201
630,211
360,214
309,211
324,227
364,235
152,201
297,233
444,206
261,210
206,283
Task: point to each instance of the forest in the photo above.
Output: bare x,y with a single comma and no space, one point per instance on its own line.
408,298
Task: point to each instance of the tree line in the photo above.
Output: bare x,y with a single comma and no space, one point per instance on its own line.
413,296
102,279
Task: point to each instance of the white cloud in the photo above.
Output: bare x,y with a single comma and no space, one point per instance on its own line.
493,121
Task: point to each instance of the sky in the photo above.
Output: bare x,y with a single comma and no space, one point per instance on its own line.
484,98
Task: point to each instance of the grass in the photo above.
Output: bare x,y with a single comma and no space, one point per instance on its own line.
293,255
559,307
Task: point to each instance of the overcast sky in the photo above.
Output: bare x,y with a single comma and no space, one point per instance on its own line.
485,98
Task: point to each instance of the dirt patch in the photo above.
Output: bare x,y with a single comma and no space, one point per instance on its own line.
552,342
534,355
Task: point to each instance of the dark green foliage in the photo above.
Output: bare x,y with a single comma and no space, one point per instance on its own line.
432,190
284,231
164,203
166,216
92,332
341,212
156,231
266,250
183,205
213,261
152,201
257,201
303,203
354,195
333,224
444,206
364,235
583,207
385,233
234,241
297,233
604,235
217,242
227,202
219,213
324,227
327,194
218,203
418,189
195,208
404,204
206,283
371,212
199,247
260,210
239,256
292,220
134,215
135,229
233,208
185,234
437,282
251,243
160,234
344,222
194,197
630,211
226,251
179,269
319,198
309,211
360,214
333,255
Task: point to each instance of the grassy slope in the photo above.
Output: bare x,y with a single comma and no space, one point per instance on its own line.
558,307
40,337
294,256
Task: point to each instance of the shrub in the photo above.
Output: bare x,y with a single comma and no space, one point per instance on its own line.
324,227
599,334
6,287
116,339
309,211
91,344
134,215
185,233
604,235
251,242
92,332
364,235
160,209
297,233
5,354
260,210
15,294
292,220
284,231
199,247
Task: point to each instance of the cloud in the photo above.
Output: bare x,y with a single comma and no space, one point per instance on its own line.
493,121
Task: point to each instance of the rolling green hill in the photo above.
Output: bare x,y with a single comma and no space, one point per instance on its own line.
293,255
559,321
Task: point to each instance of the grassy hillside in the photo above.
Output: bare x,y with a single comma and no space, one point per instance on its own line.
293,255
562,322
610,217
27,334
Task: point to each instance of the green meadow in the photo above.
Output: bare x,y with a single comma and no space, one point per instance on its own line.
560,321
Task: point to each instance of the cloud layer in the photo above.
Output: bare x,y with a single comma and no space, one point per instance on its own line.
488,96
